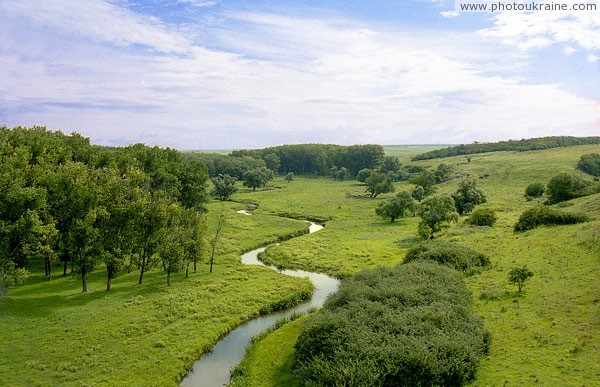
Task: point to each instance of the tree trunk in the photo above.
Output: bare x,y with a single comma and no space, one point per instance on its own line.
108,283
168,278
143,264
65,267
142,270
194,266
187,270
84,280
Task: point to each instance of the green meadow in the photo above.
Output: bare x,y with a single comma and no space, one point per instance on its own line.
150,334
548,335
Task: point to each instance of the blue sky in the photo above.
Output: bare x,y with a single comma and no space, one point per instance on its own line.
201,74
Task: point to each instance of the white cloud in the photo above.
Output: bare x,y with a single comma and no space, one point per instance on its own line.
528,30
450,14
98,20
274,79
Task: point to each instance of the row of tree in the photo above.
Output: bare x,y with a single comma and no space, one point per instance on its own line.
131,207
510,145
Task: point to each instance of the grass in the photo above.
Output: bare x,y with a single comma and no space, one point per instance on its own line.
144,335
548,335
51,334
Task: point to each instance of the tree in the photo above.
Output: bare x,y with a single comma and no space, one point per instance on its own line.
224,187
426,179
442,173
258,177
518,276
535,190
85,243
379,183
468,196
289,177
215,240
390,164
341,174
150,226
364,174
565,186
418,193
397,207
590,163
171,249
272,162
436,213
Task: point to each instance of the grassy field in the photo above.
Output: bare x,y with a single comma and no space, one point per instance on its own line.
51,334
141,335
549,335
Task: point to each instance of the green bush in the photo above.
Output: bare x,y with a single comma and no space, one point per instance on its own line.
567,186
544,215
451,254
409,325
590,163
483,217
535,190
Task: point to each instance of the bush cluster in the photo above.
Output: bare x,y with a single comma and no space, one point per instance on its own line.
451,254
409,325
590,163
483,217
543,215
535,190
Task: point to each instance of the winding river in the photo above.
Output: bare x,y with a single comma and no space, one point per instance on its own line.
213,369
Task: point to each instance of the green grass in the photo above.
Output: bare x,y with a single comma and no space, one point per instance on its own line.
548,335
144,335
51,334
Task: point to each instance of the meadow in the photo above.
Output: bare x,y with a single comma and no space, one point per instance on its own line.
150,334
548,335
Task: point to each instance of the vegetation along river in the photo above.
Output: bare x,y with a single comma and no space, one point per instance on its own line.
213,369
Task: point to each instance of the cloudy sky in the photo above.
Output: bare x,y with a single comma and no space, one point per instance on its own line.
200,74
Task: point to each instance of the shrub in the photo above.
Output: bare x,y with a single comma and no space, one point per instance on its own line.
451,254
565,187
543,215
467,196
483,217
409,325
535,190
590,163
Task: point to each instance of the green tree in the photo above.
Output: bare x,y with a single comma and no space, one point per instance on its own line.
150,226
379,183
535,190
272,161
518,276
467,196
171,249
590,163
256,178
390,164
565,186
397,207
418,193
224,187
85,243
436,212
364,174
426,179
341,174
289,177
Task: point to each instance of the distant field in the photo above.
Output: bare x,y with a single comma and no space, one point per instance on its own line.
405,152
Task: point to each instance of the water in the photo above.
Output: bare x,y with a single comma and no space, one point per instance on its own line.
213,369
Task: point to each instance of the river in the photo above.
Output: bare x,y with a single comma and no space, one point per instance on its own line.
213,369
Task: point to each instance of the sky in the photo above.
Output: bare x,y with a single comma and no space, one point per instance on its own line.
220,74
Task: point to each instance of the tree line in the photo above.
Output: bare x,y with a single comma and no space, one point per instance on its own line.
301,159
61,198
510,145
